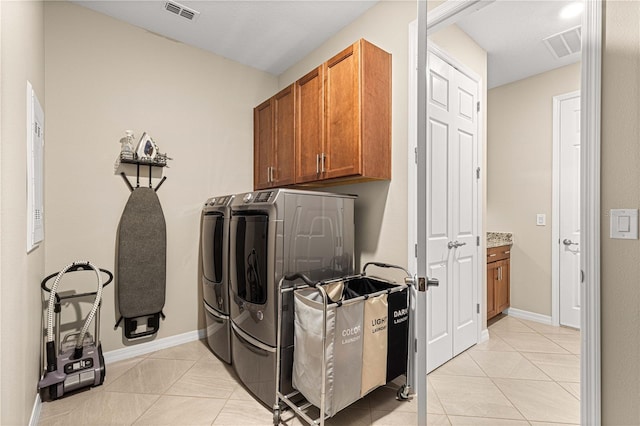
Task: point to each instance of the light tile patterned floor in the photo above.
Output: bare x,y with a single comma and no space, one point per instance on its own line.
525,374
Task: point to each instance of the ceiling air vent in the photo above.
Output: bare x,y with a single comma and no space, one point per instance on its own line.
180,10
565,43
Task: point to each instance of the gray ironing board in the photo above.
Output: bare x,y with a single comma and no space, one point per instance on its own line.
141,262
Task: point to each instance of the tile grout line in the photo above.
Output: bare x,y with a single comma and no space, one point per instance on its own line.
168,387
552,379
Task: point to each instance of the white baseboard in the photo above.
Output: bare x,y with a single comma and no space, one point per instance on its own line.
35,411
155,345
484,335
531,316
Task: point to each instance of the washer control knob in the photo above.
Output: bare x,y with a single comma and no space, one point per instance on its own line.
247,197
260,315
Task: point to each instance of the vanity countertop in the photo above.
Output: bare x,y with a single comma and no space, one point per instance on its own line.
498,239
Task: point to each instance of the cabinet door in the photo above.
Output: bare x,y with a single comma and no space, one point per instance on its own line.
502,286
284,145
262,144
309,125
492,274
342,150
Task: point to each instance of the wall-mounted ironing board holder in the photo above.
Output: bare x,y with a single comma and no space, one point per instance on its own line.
138,163
131,325
138,318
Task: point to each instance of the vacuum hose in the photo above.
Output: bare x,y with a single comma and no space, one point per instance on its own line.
87,322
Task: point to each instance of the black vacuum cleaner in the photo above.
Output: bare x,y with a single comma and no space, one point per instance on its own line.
75,362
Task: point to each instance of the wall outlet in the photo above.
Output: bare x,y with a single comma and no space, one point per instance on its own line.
541,219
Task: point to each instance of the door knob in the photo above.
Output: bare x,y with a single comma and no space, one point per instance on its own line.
455,244
568,242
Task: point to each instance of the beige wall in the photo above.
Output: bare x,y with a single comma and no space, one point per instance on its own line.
381,208
519,178
620,169
22,59
105,76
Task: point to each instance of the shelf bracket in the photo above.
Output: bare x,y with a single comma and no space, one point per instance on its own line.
126,181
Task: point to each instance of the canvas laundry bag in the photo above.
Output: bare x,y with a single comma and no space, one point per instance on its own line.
398,334
342,349
374,348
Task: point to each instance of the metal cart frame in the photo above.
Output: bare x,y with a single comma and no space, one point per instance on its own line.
404,391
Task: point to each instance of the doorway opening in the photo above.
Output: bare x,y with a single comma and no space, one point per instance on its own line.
448,13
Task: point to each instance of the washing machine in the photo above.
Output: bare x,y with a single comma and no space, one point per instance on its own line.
216,215
275,233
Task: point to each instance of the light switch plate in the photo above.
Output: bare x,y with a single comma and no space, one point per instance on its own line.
624,224
541,219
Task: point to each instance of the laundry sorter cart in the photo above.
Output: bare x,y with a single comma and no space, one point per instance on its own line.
351,335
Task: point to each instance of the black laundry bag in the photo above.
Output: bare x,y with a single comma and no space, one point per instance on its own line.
398,334
361,286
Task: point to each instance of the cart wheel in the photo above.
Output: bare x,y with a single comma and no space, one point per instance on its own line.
402,394
276,417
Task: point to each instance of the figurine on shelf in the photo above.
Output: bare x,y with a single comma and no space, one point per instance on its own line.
126,143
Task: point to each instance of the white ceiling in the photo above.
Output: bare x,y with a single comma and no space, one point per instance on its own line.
512,32
270,35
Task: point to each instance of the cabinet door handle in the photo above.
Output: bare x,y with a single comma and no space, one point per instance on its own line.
323,158
268,174
500,273
493,255
273,169
317,164
507,252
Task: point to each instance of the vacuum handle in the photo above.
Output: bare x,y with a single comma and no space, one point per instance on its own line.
77,267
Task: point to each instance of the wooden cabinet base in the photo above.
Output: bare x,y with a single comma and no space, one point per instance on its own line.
498,280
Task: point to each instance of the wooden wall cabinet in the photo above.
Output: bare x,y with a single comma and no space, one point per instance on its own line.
344,117
498,280
332,125
309,125
274,140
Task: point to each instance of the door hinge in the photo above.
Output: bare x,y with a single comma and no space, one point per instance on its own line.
415,250
478,173
478,241
478,106
415,154
477,308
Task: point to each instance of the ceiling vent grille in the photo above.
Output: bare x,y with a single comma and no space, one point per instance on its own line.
565,43
180,10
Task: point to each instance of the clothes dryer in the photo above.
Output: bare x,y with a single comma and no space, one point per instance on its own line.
215,273
274,233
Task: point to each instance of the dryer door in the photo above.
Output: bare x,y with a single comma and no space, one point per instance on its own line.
215,243
251,289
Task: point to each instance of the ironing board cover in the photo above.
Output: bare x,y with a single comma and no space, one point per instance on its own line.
141,255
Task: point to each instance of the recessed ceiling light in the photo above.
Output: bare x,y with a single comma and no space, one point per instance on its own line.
572,10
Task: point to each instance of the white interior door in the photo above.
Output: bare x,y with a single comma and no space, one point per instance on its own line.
569,209
464,192
452,223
